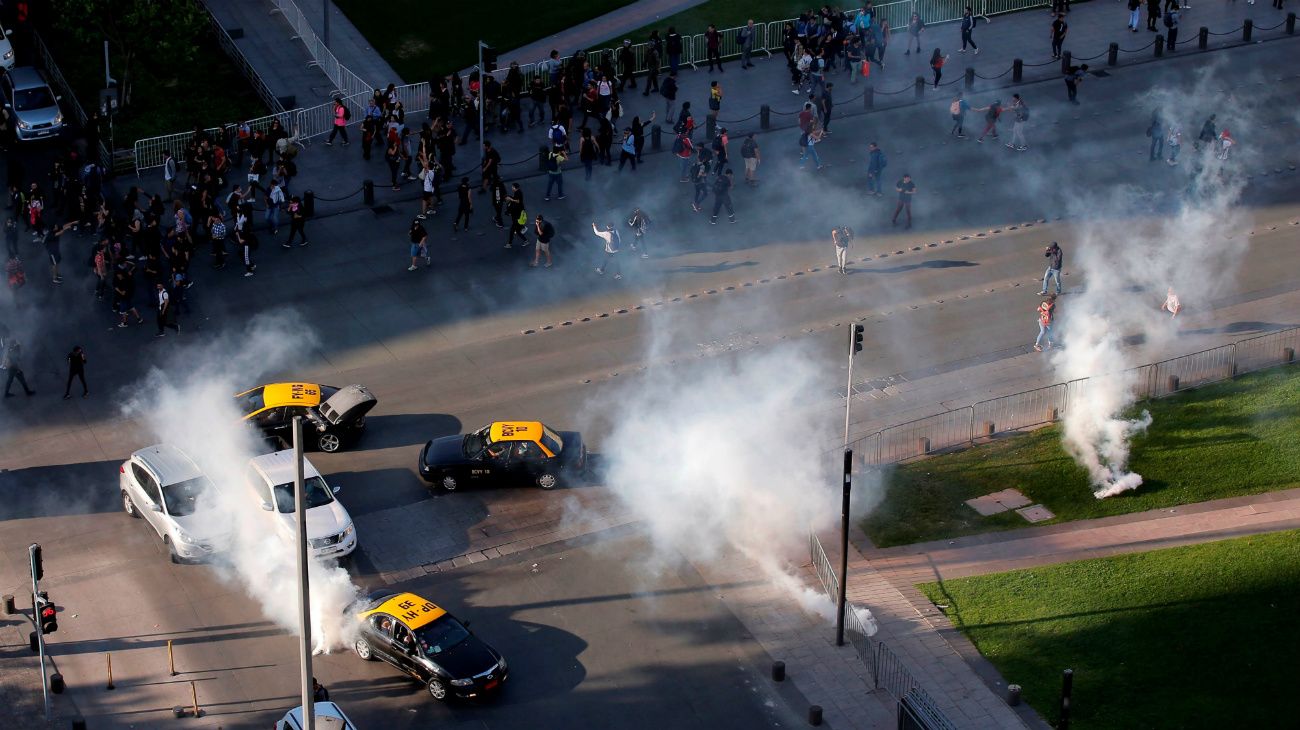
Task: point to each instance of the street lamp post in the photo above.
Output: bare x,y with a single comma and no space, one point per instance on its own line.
304,588
325,22
481,77
855,346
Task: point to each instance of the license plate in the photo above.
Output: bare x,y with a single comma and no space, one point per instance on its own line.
491,684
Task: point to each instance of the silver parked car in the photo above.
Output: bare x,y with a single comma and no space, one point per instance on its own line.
33,105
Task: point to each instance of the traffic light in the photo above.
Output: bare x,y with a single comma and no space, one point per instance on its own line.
38,570
489,58
47,614
858,330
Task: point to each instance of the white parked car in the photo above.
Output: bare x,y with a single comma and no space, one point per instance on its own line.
330,533
329,716
165,487
6,49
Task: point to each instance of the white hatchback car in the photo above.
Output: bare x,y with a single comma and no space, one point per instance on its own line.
330,532
165,487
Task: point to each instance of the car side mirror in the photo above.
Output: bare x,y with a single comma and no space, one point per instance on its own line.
267,506
9,32
59,97
335,489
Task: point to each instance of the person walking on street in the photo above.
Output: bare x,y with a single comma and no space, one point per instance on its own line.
610,255
719,147
722,196
715,106
169,175
554,172
685,152
639,222
1207,134
1046,316
626,65
915,27
1059,29
967,28
545,232
297,221
274,201
808,141
1020,110
419,245
750,154
652,66
1175,143
842,237
906,189
77,370
341,116
826,104
937,60
1153,14
991,114
13,366
958,109
1225,144
516,215
1172,18
669,92
673,47
164,312
1156,131
464,205
1054,258
627,150
700,178
1073,77
1134,14
876,164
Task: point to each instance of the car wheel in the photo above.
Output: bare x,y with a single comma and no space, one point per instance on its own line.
329,442
171,551
437,689
362,648
449,483
547,481
129,507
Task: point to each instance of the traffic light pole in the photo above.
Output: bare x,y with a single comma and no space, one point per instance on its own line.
855,332
33,551
304,587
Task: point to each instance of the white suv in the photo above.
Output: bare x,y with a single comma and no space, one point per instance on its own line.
330,533
165,487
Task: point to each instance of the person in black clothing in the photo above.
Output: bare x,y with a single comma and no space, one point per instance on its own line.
626,66
673,44
1153,14
318,692
1059,29
967,27
514,211
545,232
464,205
13,366
722,197
906,189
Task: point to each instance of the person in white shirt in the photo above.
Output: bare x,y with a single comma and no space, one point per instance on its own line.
611,238
1171,305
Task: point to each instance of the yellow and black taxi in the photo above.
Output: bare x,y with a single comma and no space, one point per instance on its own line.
515,452
332,417
424,641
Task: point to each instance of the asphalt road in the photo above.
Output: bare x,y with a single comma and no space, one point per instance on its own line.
446,351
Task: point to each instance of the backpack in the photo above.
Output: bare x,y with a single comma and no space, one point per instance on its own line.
347,113
1169,20
558,135
955,108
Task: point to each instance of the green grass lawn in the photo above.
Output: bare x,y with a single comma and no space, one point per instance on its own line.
1203,636
435,38
1223,440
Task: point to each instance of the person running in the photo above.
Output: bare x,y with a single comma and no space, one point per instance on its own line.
1046,316
842,237
464,205
958,109
77,370
1054,258
906,189
13,366
722,196
610,256
992,113
639,222
419,245
545,232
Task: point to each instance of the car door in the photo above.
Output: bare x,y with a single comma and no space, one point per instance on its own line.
379,634
494,464
404,650
276,423
152,498
527,460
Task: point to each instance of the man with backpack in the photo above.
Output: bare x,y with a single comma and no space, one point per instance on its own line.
555,172
1021,112
876,163
341,116
559,137
958,109
991,114
685,152
1073,77
639,222
669,91
750,154
722,196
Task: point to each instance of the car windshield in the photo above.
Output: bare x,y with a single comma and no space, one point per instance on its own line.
34,98
441,635
318,493
477,441
182,498
251,402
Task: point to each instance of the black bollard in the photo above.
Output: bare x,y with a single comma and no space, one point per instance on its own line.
78,723
33,642
765,117
656,137
1247,27
710,126
815,715
778,671
1017,70
1112,58
542,152
920,87
1203,38
1160,46
10,608
56,683
1066,60
1290,23
1067,685
309,204
970,78
368,192
869,97
1013,695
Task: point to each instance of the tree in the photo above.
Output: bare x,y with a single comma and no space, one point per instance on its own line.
153,35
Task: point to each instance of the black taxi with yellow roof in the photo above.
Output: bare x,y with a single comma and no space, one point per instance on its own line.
332,417
421,639
518,452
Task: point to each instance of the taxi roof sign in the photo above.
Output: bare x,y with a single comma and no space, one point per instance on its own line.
408,608
291,394
515,431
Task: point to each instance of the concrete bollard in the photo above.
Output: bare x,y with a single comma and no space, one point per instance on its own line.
1017,70
656,137
368,192
1160,46
869,97
78,723
765,117
10,608
542,153
1247,28
1112,55
1013,695
778,671
970,78
1173,383
920,87
1067,59
1203,38
815,715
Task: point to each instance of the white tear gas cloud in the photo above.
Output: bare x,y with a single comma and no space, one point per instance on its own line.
188,404
1193,246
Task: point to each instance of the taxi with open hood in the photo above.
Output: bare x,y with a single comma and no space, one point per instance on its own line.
426,642
504,452
332,417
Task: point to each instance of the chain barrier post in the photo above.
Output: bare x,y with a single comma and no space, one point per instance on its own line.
1017,70
1290,23
970,78
1203,38
1112,55
920,87
542,152
765,117
1247,27
869,97
656,137
309,204
368,192
1067,60
1160,46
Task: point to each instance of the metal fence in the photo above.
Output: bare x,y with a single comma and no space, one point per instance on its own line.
964,426
236,55
68,98
346,83
887,670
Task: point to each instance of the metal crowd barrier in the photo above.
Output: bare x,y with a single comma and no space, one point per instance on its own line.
236,55
347,82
